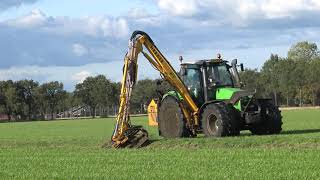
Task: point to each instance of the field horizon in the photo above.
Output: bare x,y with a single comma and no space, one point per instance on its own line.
71,149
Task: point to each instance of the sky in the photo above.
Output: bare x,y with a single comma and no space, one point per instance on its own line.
70,40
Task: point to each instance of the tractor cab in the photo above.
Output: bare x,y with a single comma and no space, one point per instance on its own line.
203,78
214,86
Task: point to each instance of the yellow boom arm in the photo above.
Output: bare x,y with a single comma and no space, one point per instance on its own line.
137,41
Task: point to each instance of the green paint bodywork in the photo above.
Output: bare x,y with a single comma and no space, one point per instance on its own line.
221,94
174,94
226,93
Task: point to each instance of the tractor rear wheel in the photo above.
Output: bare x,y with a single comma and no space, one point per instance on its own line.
215,120
271,120
171,121
235,123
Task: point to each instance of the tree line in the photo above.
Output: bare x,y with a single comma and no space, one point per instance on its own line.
291,81
26,99
29,100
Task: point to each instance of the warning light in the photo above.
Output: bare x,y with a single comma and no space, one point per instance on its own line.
219,56
180,59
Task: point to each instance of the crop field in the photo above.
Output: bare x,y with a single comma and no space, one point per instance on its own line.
72,150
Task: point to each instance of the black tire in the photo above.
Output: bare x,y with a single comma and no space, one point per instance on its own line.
171,121
235,123
215,120
271,120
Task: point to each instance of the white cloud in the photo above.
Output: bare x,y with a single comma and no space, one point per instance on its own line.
247,9
238,12
5,4
316,3
280,9
35,18
81,76
96,26
70,76
79,50
115,28
17,73
179,7
178,28
138,13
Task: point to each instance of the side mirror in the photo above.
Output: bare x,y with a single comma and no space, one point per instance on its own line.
159,82
241,67
183,71
234,62
180,59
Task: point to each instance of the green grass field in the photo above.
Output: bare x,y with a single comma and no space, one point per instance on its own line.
71,150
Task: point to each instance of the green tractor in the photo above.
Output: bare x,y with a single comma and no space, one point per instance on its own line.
225,108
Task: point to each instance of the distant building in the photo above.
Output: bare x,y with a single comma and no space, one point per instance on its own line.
4,117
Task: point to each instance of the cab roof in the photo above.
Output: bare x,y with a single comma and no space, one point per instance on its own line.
205,61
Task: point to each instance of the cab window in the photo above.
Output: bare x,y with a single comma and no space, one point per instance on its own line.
219,75
192,80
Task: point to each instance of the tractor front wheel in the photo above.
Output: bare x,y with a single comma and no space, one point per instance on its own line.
215,120
171,120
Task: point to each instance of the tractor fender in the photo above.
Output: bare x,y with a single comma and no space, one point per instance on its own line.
173,94
265,100
238,95
207,103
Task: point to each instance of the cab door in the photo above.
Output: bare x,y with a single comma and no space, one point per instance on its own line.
193,81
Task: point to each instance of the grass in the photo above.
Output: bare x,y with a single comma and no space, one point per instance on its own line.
71,150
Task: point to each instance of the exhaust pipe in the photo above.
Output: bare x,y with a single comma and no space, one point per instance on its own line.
235,72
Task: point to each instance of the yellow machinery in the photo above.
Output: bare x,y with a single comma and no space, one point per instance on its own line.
153,113
126,135
207,98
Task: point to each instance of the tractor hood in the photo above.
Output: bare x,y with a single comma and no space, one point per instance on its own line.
234,96
226,93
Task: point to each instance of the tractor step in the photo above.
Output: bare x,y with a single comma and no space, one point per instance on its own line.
135,137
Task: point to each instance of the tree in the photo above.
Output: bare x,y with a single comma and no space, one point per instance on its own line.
251,80
52,94
69,101
116,89
269,76
143,93
303,51
163,86
303,54
286,78
26,96
7,97
313,79
95,91
42,104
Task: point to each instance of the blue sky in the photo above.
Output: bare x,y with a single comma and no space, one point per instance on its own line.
70,40
79,8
